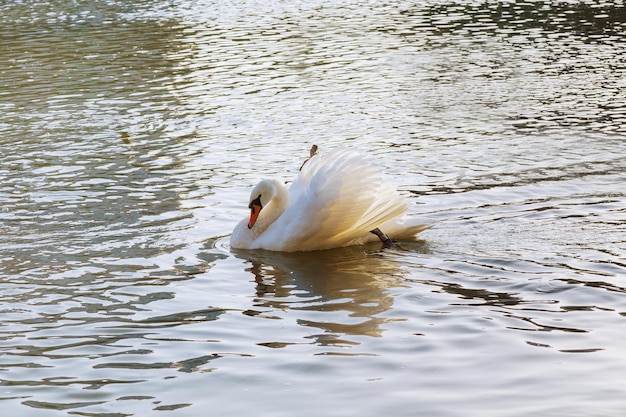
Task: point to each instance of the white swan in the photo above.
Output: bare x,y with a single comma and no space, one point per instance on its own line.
336,201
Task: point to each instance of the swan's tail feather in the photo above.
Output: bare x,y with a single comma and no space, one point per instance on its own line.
410,232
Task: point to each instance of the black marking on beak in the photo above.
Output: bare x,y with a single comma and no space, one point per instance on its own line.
256,202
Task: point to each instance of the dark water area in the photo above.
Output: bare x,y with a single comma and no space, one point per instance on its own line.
131,134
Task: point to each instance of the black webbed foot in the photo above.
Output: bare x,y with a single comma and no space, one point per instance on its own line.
390,244
387,242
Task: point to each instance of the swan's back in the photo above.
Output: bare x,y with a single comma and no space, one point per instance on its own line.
335,201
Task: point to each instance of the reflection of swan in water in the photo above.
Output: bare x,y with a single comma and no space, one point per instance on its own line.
343,291
338,200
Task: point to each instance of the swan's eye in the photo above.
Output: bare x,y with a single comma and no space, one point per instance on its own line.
256,202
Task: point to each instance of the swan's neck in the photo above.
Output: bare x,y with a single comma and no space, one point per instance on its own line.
275,208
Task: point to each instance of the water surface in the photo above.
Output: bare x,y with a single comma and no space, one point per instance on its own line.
131,134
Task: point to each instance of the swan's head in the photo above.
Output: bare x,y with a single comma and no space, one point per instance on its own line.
259,197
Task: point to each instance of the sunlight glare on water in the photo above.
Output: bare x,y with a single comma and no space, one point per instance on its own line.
131,134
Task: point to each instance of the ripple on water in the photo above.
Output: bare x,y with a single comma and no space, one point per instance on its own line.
131,134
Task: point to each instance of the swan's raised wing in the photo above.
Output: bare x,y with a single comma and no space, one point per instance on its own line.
337,198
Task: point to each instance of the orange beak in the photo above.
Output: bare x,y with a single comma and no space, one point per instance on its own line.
254,214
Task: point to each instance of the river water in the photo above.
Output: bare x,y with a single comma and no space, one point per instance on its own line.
131,133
